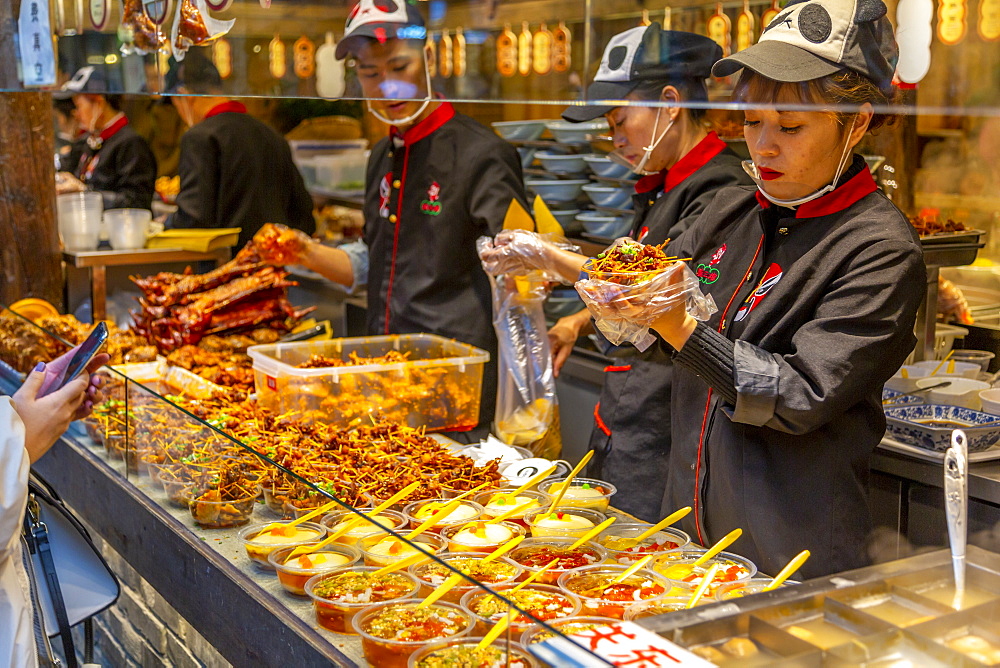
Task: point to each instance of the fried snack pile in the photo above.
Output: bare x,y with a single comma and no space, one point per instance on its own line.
629,262
929,224
223,359
242,295
353,359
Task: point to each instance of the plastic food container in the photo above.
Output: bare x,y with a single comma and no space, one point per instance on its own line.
980,357
543,601
534,553
259,547
480,537
950,368
381,627
222,514
564,522
464,653
497,503
127,228
352,593
568,626
79,217
592,585
389,519
615,539
733,568
662,606
419,512
438,386
746,588
431,574
582,493
382,550
294,574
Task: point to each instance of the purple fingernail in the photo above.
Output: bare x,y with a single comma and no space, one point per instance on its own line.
39,367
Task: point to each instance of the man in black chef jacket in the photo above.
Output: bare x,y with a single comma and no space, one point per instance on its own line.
235,171
113,160
436,184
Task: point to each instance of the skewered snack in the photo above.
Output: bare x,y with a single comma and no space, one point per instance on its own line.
147,37
244,294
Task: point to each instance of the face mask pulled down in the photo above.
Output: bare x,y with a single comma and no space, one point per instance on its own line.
400,90
618,155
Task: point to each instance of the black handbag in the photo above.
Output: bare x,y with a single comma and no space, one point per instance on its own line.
71,581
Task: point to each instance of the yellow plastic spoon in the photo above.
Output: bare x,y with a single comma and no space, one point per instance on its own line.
706,582
676,516
593,532
792,566
941,364
510,513
569,480
503,549
434,519
441,590
395,498
534,480
306,549
534,576
401,564
725,542
294,523
495,632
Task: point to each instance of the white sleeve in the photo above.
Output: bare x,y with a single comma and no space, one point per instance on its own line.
14,467
357,251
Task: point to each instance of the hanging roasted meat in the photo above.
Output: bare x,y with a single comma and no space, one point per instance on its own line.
147,37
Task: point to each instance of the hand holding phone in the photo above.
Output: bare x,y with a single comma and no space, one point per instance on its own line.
78,363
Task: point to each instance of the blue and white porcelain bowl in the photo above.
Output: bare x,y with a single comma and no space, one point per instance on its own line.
894,398
929,426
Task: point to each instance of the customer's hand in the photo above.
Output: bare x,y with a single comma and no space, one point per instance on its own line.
54,371
45,418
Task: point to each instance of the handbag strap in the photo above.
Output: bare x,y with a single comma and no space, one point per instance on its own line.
40,536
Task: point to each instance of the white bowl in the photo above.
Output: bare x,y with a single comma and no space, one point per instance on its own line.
520,130
990,399
965,369
558,163
555,190
604,166
613,197
576,133
962,391
913,373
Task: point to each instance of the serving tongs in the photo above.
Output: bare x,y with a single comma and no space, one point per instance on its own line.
956,499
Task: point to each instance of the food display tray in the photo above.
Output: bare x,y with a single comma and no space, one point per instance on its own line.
989,455
951,254
964,237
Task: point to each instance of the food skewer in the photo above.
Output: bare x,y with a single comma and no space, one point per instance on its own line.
703,586
792,566
569,480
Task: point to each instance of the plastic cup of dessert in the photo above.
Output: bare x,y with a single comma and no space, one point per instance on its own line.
662,606
561,604
980,357
496,503
479,536
649,586
563,522
582,492
743,588
663,541
260,545
497,653
382,550
388,519
391,653
335,613
222,514
682,580
295,572
534,553
570,625
419,512
431,574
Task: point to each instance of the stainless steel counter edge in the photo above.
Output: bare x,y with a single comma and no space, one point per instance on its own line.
247,625
984,478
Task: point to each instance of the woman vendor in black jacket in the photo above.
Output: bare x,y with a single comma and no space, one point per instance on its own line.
775,408
682,164
115,161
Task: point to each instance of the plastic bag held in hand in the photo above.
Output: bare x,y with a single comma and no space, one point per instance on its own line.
626,303
519,252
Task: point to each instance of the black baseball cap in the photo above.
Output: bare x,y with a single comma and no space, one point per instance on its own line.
88,80
196,74
810,39
382,20
646,53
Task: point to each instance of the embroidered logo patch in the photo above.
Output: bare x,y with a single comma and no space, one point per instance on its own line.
706,273
383,196
771,278
432,205
718,255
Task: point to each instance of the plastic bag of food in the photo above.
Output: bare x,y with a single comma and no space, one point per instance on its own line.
143,34
630,285
527,413
194,26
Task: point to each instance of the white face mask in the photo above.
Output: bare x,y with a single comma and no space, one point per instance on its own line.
393,90
617,156
751,169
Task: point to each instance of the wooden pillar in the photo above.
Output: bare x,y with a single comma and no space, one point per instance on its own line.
30,260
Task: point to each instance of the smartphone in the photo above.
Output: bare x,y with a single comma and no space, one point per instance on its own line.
83,355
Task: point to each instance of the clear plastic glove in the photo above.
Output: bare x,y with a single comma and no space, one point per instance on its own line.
280,245
67,183
514,252
625,305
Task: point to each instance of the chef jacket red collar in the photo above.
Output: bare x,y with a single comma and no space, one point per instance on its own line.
843,196
444,113
113,127
230,106
691,162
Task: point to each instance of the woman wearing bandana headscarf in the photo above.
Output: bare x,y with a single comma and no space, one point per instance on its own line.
114,160
775,408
